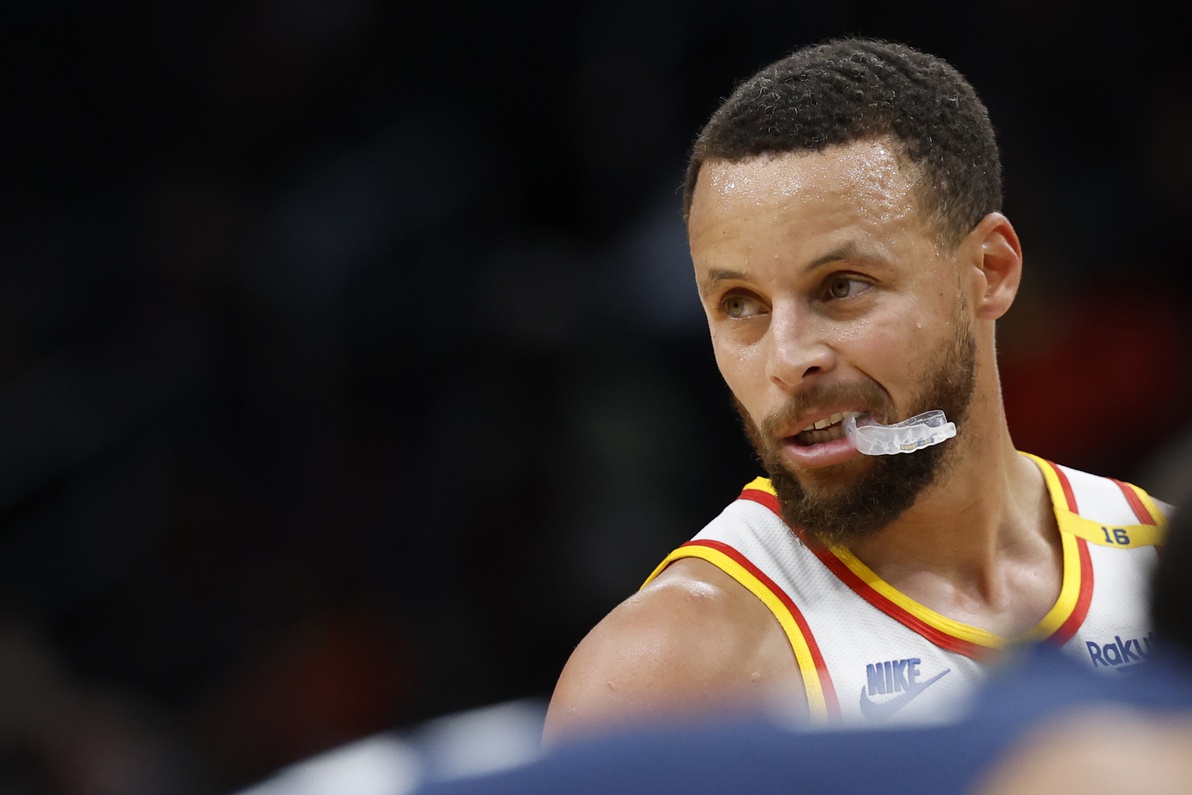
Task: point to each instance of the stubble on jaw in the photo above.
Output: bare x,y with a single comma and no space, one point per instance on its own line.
837,515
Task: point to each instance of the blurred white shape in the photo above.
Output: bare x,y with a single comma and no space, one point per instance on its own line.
482,740
466,743
383,764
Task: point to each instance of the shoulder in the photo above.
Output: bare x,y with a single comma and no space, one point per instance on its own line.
689,641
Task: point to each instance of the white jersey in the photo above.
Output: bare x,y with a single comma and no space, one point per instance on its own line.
869,654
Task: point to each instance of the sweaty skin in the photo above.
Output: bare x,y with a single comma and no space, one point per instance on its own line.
819,275
691,644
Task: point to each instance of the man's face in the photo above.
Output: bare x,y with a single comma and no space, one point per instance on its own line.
826,293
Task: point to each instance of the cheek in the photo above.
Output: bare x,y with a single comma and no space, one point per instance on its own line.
883,340
741,366
891,350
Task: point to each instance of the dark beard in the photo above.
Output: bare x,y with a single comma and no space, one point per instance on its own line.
840,516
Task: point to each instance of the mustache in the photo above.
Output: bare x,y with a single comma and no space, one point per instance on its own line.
865,394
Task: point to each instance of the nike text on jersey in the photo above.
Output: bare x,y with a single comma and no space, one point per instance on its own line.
898,680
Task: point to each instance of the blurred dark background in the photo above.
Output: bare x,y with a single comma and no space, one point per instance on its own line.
350,364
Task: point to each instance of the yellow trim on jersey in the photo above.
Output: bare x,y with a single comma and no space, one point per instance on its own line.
762,484
1070,587
1122,537
936,620
1152,506
816,702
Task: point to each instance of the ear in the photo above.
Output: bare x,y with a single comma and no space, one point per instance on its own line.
997,256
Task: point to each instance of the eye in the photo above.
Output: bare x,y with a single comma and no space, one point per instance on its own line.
740,306
845,286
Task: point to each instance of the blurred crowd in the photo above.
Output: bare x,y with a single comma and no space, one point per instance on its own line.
351,368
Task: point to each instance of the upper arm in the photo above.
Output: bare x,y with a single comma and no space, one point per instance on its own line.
692,642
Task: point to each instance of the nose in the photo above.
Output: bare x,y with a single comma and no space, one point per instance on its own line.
799,348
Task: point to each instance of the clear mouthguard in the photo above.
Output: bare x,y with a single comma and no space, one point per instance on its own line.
923,430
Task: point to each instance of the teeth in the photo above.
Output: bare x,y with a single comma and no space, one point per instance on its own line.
832,420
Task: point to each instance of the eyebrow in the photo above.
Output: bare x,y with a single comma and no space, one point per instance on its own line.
716,275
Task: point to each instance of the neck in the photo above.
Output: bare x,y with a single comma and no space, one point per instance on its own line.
980,545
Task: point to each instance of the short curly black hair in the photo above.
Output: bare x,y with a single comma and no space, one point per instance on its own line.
853,88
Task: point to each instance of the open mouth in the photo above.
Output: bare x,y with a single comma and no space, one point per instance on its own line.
826,430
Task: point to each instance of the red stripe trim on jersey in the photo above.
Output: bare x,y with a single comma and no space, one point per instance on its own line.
764,497
863,589
821,667
1069,496
1083,599
1140,510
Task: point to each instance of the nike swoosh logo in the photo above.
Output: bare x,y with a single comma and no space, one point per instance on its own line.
882,710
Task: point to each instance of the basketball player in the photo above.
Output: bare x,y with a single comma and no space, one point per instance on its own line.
843,216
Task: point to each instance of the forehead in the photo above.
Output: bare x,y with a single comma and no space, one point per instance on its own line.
800,208
868,176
